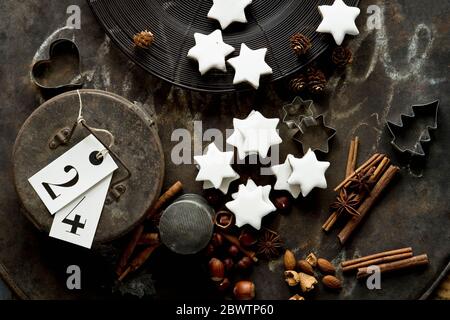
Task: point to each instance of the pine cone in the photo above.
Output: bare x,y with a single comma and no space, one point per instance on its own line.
300,44
316,81
341,57
298,84
143,39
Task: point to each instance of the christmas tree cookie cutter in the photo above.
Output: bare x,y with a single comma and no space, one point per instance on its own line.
314,134
296,111
414,128
60,70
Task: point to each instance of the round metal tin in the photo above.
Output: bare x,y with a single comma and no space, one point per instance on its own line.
137,144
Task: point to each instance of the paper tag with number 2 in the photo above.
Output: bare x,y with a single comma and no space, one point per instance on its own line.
72,174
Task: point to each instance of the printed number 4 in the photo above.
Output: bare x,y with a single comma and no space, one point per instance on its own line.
68,184
76,222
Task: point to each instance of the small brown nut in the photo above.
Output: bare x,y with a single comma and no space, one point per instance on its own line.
233,250
312,259
305,267
289,260
332,282
307,282
217,240
210,250
245,263
228,263
325,266
247,238
216,270
244,290
296,297
291,278
282,203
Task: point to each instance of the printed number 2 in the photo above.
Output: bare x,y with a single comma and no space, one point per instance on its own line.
76,222
68,184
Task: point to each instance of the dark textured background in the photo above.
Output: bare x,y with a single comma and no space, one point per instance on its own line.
403,63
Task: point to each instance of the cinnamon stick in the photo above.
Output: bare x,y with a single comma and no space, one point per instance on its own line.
352,155
137,233
235,241
396,265
372,160
377,261
375,256
350,168
380,169
140,259
368,203
149,238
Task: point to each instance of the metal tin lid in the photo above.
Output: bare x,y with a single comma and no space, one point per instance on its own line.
137,144
186,226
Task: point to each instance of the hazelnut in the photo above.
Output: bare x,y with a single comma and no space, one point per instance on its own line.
213,196
209,251
223,285
282,203
244,290
245,263
216,270
233,250
228,263
291,278
217,240
247,238
289,260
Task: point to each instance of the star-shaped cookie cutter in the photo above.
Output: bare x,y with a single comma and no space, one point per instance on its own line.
416,124
295,111
314,134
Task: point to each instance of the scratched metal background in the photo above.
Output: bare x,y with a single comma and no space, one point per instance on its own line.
404,62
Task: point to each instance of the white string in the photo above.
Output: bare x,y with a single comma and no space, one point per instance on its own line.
80,119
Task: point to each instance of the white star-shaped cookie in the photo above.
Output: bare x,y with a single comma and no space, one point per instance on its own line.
224,186
250,65
308,172
283,172
254,135
251,203
228,11
210,51
215,166
339,20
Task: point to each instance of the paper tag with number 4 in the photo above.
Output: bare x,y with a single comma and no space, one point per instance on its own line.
72,174
77,222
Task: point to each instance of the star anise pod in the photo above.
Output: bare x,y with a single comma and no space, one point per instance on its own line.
346,203
269,245
361,183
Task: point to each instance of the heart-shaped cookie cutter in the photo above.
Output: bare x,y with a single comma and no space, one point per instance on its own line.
64,77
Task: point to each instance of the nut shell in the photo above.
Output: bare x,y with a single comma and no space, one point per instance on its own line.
244,290
325,266
307,282
289,260
305,267
216,270
291,277
312,259
296,297
332,282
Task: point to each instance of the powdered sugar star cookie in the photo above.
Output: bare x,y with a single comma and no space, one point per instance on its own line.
339,20
250,65
224,186
308,172
283,172
215,166
210,51
228,11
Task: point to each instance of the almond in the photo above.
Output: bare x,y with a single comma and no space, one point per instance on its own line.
305,267
325,266
289,260
332,282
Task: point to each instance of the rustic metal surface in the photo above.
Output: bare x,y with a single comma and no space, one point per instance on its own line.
136,143
403,62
